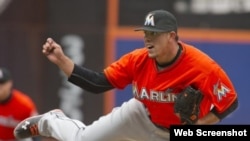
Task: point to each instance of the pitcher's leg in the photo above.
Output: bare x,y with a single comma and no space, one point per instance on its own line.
125,123
128,122
51,124
55,124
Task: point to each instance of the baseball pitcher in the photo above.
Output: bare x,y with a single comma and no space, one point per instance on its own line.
173,83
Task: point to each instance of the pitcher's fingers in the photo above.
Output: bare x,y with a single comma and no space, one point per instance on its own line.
45,52
50,41
46,44
48,48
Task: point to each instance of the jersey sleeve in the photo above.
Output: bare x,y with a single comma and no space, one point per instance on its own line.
221,90
120,72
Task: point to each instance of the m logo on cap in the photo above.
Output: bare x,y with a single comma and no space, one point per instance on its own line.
150,20
1,73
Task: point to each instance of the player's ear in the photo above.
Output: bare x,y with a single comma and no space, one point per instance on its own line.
172,35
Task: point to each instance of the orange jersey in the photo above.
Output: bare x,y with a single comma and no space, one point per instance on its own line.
157,89
16,109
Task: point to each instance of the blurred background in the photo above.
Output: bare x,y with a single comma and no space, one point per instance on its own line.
97,32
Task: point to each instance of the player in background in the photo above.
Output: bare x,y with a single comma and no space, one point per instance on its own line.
15,106
158,72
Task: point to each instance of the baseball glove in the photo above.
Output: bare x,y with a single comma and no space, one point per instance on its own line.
187,105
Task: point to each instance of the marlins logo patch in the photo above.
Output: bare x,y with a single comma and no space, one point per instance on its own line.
220,90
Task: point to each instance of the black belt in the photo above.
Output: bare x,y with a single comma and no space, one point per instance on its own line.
158,126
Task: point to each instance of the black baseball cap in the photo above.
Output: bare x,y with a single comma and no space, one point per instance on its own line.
159,21
4,75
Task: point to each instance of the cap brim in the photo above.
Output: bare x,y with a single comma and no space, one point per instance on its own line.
146,28
3,81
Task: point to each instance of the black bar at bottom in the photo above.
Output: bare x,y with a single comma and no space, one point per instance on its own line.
180,132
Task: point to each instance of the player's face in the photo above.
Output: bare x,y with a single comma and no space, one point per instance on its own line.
5,89
156,43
